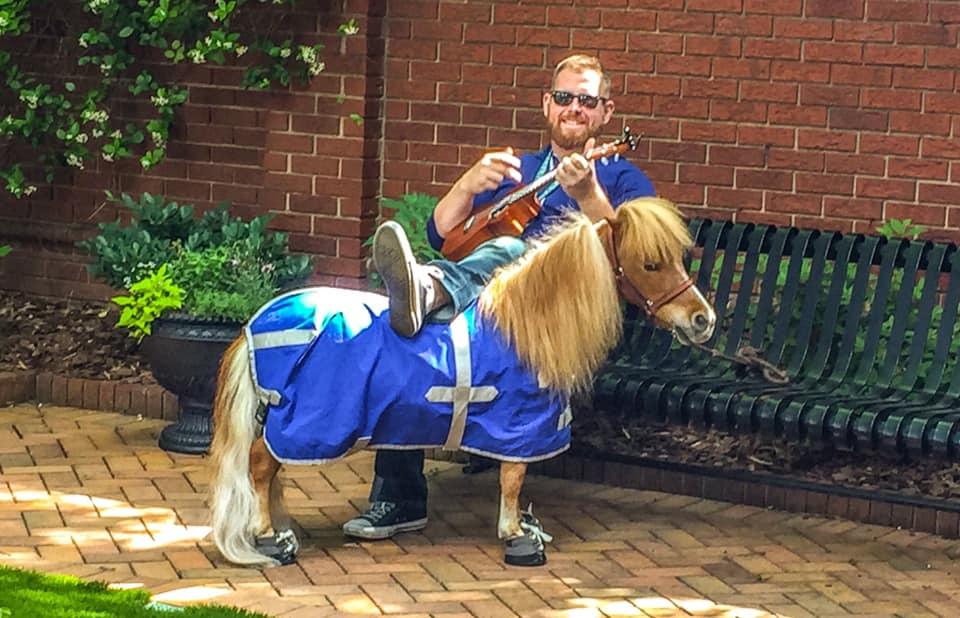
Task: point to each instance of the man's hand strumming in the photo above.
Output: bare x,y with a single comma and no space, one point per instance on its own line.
487,173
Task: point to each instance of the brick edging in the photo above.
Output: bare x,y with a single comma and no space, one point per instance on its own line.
763,490
16,387
150,401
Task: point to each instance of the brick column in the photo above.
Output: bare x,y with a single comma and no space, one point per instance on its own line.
322,155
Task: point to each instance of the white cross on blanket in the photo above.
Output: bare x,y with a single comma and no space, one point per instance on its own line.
464,392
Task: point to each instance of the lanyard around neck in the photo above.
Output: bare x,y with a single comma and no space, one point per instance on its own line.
549,162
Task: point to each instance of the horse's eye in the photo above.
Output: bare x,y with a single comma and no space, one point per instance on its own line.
651,267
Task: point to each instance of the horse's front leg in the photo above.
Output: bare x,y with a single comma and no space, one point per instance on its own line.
281,546
521,533
511,481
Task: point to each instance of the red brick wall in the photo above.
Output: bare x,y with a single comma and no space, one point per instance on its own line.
835,114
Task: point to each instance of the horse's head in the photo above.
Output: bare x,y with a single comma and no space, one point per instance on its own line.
646,242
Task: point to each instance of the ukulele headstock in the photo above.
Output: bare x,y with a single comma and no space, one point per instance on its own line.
626,141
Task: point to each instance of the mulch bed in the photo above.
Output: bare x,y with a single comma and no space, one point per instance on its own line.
598,432
72,338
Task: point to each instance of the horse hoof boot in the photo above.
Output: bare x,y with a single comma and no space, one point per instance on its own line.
526,551
281,546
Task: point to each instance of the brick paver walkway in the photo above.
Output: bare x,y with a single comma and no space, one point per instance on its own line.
89,493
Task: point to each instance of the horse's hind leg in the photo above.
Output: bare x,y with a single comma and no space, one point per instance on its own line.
281,546
521,533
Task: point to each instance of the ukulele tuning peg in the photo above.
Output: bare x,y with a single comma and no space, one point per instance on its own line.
629,138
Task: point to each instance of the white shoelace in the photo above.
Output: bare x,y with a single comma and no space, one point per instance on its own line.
534,527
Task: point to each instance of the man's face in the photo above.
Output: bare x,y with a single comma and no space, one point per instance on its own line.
572,124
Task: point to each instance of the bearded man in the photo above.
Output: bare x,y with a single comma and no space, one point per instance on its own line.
577,108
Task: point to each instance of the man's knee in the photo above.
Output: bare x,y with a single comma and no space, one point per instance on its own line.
508,248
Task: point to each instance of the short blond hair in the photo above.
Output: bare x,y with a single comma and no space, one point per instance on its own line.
580,63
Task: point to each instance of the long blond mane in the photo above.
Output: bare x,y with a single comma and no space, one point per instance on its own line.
558,304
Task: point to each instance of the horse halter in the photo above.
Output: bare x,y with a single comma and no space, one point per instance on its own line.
627,288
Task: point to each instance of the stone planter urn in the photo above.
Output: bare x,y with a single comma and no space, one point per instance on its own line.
184,354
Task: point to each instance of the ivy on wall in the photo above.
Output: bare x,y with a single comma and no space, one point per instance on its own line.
114,47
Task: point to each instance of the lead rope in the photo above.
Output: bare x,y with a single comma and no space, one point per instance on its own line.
750,357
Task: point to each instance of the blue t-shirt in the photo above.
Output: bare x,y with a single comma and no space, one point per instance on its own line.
621,179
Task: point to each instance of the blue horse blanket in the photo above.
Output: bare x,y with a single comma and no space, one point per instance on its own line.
335,377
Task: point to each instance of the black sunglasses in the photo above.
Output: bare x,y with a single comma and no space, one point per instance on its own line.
564,98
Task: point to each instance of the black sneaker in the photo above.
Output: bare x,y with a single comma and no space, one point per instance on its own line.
382,520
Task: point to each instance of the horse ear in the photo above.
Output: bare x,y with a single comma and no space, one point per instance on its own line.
606,230
605,226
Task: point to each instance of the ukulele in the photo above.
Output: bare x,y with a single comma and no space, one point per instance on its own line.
510,215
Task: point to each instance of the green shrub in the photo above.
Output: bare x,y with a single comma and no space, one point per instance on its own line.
224,281
124,253
216,265
901,228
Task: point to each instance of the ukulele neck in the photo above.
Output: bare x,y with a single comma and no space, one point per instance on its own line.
521,193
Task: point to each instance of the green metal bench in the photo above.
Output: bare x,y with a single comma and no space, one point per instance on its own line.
866,329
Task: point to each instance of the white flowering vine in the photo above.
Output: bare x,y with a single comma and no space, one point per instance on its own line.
117,40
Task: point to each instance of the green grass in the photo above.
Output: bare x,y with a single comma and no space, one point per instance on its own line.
25,594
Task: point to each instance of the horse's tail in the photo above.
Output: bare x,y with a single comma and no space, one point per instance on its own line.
234,507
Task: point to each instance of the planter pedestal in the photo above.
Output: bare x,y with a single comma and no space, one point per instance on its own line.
184,353
193,432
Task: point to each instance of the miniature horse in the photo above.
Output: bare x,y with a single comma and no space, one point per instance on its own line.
498,377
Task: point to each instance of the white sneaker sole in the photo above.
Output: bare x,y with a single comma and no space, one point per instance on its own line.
394,260
372,533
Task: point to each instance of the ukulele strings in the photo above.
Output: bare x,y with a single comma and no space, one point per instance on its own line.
596,153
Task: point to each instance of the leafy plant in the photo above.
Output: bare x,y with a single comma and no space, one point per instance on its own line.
70,122
212,266
412,211
126,253
147,300
224,281
901,228
4,250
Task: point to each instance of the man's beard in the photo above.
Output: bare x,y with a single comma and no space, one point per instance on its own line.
575,140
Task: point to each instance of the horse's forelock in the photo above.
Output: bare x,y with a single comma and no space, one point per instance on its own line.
654,228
